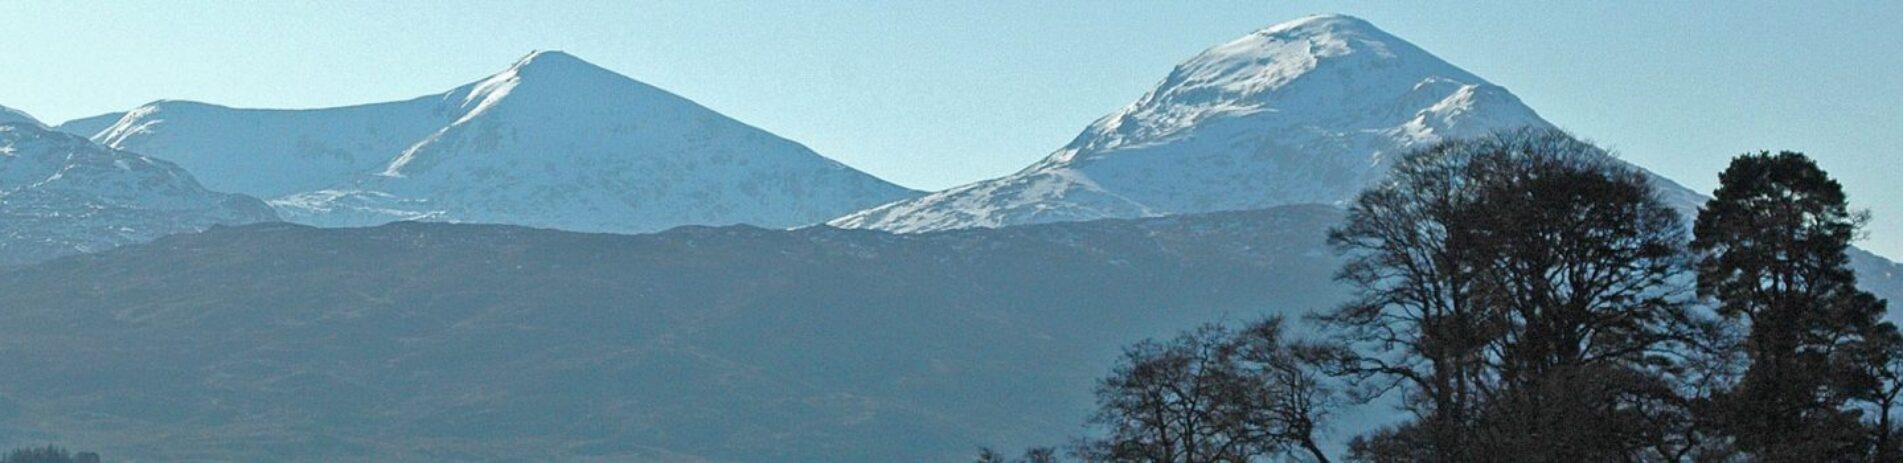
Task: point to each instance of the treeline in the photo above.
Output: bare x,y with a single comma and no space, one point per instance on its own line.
48,454
1529,298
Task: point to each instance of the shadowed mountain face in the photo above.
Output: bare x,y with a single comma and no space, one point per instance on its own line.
432,342
61,194
553,141
15,116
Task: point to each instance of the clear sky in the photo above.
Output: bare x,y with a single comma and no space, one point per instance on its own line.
933,94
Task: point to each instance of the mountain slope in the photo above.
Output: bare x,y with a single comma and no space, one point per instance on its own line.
61,194
15,116
271,153
1307,111
447,342
553,141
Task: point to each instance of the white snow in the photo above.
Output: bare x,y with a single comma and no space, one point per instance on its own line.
552,141
1306,111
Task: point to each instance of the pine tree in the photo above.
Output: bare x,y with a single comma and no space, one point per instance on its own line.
1771,247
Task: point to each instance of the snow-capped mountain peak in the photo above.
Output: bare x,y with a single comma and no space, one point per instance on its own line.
553,72
555,93
560,65
1305,111
1299,59
552,141
1329,71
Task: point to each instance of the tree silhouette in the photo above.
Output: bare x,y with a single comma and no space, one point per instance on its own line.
1771,247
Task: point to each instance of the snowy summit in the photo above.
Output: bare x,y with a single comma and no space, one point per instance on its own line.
1306,111
553,141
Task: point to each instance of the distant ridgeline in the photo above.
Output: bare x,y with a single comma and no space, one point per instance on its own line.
434,342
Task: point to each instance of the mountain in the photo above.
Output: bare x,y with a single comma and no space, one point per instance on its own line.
553,141
1307,111
61,194
455,342
15,116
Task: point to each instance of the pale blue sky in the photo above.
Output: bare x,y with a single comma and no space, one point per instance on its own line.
933,94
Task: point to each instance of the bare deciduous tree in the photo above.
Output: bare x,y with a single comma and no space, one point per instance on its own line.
1212,395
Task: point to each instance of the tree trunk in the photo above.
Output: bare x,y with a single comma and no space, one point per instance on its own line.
1315,450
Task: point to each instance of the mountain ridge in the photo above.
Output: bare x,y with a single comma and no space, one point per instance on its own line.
552,141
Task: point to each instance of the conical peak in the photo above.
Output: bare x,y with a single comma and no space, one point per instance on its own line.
1321,22
552,71
551,59
1313,37
552,65
1334,70
552,78
1342,54
1305,111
